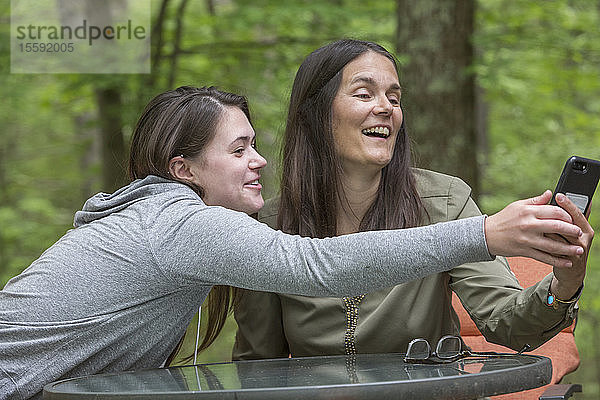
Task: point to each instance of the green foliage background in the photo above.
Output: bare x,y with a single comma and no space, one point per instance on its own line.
538,64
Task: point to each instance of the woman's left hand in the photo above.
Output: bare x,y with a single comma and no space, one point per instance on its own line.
568,280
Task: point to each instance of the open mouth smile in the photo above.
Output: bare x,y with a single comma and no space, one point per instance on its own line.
254,184
377,131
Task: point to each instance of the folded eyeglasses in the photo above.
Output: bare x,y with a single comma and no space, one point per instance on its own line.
449,349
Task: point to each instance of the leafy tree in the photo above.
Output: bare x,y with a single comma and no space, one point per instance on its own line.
536,64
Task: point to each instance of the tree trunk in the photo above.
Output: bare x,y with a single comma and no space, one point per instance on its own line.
113,145
107,93
157,43
176,42
438,88
110,106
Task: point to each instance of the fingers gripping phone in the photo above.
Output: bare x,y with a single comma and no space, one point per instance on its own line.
578,182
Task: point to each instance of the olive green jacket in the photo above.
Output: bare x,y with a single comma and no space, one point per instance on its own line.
276,325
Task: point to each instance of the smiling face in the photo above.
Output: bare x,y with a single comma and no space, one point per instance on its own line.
366,113
229,168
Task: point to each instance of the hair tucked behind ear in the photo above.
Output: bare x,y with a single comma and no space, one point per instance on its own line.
178,122
183,122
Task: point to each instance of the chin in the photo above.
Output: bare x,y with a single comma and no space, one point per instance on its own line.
379,163
254,208
378,159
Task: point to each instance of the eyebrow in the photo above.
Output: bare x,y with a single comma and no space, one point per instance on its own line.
370,81
243,139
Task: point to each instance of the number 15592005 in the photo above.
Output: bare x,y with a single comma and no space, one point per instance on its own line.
34,47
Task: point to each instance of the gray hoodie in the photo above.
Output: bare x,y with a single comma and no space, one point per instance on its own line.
117,292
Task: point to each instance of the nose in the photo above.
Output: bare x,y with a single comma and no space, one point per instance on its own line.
383,106
256,161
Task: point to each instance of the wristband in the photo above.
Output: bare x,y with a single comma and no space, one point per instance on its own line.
553,301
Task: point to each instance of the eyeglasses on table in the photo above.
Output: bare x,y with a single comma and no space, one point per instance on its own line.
449,348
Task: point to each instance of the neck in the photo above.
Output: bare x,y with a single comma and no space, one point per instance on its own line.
360,190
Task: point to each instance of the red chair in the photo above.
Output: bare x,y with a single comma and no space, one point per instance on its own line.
560,349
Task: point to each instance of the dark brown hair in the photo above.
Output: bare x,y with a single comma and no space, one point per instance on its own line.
310,167
178,122
183,122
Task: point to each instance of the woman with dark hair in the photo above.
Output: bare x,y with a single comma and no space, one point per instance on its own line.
346,169
117,292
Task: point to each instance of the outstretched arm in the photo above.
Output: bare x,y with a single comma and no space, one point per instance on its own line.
237,250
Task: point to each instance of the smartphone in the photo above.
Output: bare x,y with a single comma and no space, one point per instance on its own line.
578,181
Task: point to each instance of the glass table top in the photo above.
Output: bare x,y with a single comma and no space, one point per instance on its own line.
363,376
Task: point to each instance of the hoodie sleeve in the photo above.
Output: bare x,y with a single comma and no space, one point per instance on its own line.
198,244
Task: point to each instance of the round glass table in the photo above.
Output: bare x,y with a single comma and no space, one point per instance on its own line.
364,376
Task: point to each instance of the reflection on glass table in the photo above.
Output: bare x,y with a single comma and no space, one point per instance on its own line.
364,376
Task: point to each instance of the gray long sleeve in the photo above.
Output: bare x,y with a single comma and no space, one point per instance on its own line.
117,292
220,246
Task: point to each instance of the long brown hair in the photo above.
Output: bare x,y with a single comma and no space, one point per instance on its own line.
311,169
183,122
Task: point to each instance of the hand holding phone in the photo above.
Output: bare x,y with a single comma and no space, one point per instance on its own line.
578,182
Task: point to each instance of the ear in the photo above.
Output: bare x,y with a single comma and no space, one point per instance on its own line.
179,169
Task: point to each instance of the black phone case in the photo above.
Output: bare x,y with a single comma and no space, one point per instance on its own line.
578,181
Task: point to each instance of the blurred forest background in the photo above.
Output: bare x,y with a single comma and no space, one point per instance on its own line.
497,92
